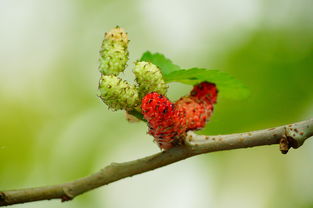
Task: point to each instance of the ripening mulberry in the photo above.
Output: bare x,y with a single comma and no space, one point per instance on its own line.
149,79
159,112
199,105
205,91
196,112
118,94
169,122
114,53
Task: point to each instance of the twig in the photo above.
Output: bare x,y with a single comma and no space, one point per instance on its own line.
287,136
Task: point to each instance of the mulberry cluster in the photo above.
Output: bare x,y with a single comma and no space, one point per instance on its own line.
168,122
116,93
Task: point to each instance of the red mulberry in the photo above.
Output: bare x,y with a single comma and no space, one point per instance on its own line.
168,122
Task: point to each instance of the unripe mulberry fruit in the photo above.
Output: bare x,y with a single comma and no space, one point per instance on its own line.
118,94
159,112
114,53
149,79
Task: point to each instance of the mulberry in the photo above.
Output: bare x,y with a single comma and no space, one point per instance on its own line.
196,113
118,94
168,122
205,91
149,79
159,112
114,53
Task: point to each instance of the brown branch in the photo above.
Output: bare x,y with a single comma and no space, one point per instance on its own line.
287,136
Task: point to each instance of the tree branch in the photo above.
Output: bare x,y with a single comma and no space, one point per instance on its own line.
292,135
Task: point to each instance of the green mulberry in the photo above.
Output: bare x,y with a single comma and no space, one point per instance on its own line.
114,53
118,94
149,79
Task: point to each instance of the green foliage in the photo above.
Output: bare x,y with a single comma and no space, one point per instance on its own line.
226,84
161,61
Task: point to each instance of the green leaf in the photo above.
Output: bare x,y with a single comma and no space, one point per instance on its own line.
166,66
227,85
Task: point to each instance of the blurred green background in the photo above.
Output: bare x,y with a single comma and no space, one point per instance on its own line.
54,129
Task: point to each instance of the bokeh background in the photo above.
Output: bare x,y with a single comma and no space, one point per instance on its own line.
53,128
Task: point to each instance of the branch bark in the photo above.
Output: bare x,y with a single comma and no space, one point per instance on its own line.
292,135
